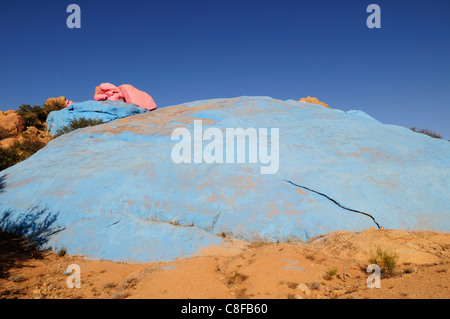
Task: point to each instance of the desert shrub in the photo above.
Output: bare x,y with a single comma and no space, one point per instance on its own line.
426,132
110,285
76,124
19,152
332,271
386,260
235,278
33,116
315,285
292,285
9,157
4,134
62,252
28,147
241,294
37,115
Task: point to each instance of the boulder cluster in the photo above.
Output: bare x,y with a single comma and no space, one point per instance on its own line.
13,130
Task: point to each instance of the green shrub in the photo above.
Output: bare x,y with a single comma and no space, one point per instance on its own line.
19,152
33,116
386,260
62,252
332,271
29,146
4,134
76,124
9,157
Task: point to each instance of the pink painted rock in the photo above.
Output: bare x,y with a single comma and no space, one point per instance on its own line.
138,97
108,87
100,97
126,93
108,91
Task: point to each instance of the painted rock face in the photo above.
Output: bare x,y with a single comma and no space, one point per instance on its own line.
97,110
127,191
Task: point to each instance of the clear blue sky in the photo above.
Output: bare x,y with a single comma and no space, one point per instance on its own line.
180,51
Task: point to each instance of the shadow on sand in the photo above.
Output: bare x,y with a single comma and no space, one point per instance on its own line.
23,235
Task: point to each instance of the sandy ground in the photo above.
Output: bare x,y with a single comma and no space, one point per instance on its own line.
295,270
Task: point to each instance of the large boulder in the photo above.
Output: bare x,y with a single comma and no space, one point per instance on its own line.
55,103
12,123
97,110
113,191
125,93
138,97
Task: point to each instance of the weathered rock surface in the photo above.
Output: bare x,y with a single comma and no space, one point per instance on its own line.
113,192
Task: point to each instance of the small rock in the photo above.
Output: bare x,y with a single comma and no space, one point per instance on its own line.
410,270
304,289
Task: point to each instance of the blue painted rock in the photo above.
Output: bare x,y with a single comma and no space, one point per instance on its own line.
115,191
97,110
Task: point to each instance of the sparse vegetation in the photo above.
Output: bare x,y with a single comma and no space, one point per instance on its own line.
241,294
29,146
110,285
315,285
310,257
385,259
33,116
426,132
292,285
76,124
9,157
332,271
62,252
235,278
19,152
4,134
